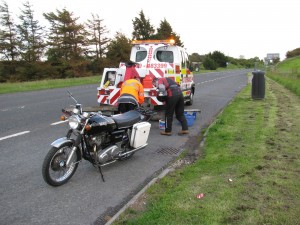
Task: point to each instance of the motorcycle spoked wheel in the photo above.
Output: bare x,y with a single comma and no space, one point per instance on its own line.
55,172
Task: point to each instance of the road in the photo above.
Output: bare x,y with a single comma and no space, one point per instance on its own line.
29,122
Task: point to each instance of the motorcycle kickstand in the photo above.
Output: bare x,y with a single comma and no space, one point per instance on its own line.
97,163
99,167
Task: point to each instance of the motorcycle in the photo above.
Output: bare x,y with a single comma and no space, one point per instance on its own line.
98,138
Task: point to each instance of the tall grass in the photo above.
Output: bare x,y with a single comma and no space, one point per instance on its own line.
287,73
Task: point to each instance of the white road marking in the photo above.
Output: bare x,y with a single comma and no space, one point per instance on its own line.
25,132
14,135
203,82
13,108
59,122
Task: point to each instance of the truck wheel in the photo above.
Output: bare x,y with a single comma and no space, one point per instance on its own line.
190,101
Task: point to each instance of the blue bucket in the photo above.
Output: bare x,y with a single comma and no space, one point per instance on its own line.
162,124
190,118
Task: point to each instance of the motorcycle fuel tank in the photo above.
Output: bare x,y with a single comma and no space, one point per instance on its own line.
101,123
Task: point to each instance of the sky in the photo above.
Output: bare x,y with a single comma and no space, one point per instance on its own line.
248,28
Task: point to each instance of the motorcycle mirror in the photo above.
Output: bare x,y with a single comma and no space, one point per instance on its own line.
76,111
71,96
86,114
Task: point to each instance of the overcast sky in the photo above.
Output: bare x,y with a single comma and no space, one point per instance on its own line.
234,27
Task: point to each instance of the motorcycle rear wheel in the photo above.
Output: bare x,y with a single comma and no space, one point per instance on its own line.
54,170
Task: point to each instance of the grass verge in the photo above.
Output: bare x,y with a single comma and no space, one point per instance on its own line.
287,73
47,84
248,172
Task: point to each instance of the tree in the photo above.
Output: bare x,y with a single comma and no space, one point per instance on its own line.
30,35
96,36
119,49
165,31
195,57
293,53
66,41
66,36
8,36
219,58
209,63
142,29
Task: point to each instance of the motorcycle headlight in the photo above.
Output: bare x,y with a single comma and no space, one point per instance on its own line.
74,122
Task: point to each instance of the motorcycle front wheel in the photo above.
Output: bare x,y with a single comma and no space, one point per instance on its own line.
55,172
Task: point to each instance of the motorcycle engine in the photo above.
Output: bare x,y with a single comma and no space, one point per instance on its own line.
117,142
98,140
108,145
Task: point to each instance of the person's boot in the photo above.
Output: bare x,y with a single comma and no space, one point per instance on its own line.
183,132
165,133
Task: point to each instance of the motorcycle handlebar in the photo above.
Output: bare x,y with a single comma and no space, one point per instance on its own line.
147,113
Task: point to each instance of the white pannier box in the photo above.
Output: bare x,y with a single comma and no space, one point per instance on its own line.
140,134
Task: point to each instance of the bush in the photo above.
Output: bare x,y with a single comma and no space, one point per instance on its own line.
293,53
19,71
209,64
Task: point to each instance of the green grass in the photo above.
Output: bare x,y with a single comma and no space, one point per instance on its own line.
287,73
289,64
248,172
47,84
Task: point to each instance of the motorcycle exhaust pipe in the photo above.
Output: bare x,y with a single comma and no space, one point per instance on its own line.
134,150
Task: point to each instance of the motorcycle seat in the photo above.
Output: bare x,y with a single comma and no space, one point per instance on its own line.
127,119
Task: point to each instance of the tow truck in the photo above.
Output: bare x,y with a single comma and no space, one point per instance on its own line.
149,59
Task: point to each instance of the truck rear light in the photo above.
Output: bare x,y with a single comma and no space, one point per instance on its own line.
177,69
152,93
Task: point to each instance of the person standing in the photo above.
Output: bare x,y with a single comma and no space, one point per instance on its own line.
131,95
174,103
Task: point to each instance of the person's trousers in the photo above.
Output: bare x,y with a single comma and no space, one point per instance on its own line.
175,104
